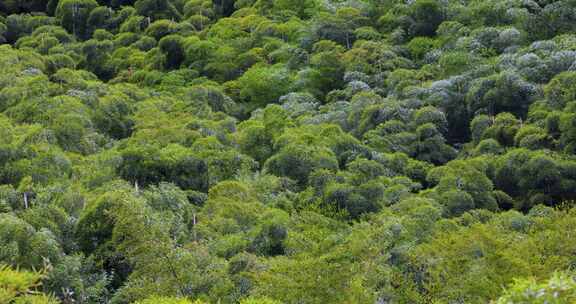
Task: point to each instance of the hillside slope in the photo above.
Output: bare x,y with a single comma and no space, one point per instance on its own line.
289,151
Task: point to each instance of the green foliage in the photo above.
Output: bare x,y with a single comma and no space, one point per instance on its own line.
25,246
559,90
558,289
259,301
21,287
298,161
419,46
167,300
289,151
264,84
178,165
96,224
157,9
77,278
172,48
427,16
73,15
146,242
500,244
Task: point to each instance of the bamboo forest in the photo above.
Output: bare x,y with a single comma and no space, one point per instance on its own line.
287,151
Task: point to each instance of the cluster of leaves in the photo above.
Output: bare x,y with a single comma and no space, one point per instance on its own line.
287,151
20,287
559,289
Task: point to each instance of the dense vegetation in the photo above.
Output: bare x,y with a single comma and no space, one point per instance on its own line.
287,151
